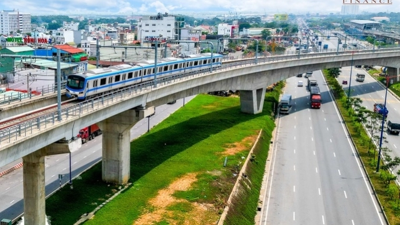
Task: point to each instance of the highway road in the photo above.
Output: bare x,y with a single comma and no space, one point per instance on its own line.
371,92
11,186
315,176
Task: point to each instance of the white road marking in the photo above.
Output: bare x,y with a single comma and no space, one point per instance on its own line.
294,150
84,156
359,167
294,167
319,191
322,110
53,176
314,152
352,222
57,160
294,138
330,140
394,145
312,139
309,118
294,117
12,201
294,216
93,151
75,163
339,172
64,169
327,128
323,219
316,169
294,188
345,195
334,155
325,119
294,126
311,128
7,188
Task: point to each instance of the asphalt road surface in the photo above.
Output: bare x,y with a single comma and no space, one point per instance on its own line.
11,186
315,176
370,92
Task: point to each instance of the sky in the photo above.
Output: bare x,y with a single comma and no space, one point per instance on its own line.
143,7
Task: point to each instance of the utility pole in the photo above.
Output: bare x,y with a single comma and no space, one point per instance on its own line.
58,85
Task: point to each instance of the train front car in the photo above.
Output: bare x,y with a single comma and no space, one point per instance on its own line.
76,86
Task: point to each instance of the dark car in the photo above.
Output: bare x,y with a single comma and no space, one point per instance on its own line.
173,102
344,82
299,75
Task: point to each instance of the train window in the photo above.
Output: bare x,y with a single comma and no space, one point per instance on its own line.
165,68
153,70
136,74
196,63
124,77
144,72
175,66
214,60
190,64
208,61
95,83
110,80
205,61
117,78
87,85
140,73
103,81
131,74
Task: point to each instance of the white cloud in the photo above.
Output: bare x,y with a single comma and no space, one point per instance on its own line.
39,7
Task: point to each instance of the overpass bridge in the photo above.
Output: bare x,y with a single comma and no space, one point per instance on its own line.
118,111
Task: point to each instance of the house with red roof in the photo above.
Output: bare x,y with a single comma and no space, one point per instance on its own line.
69,53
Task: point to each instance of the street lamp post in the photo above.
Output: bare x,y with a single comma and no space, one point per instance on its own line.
383,122
351,70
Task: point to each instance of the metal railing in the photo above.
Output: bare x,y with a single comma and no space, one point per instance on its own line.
11,134
8,98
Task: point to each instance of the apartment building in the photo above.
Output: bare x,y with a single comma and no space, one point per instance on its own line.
13,21
160,27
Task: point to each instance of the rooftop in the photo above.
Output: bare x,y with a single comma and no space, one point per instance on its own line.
364,22
20,49
52,64
68,49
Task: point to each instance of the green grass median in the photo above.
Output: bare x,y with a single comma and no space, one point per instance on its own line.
177,169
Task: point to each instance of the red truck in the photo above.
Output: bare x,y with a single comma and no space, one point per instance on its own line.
89,133
315,97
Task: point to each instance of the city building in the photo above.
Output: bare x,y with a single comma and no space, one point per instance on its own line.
160,28
357,27
70,26
12,21
230,30
350,10
380,18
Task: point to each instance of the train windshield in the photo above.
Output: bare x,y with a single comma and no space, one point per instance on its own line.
75,82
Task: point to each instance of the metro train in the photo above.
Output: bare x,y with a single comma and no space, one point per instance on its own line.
97,81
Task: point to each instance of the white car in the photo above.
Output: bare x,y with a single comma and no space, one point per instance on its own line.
300,83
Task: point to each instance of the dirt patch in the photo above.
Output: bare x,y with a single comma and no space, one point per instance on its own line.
236,147
164,199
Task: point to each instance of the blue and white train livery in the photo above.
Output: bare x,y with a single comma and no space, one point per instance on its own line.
96,81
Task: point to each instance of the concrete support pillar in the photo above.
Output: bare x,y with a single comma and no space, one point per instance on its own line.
34,188
252,101
116,144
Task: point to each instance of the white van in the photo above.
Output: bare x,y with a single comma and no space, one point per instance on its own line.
300,83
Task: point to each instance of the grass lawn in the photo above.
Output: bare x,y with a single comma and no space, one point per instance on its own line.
176,169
